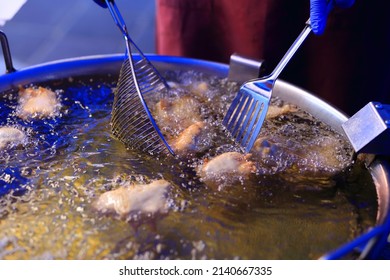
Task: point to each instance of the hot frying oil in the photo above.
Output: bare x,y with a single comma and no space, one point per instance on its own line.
299,203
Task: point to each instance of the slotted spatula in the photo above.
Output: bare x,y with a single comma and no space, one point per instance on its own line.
131,121
247,112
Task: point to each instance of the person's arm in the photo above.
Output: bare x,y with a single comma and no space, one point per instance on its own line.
319,10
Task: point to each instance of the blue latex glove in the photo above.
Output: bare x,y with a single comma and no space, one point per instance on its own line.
319,10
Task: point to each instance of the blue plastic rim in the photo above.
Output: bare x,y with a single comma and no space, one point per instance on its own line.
374,244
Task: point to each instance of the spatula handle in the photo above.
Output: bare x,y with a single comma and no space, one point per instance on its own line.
291,51
295,46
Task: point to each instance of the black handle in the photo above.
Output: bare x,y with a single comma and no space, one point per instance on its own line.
6,53
102,3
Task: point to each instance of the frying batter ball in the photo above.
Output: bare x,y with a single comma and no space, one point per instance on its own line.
37,103
324,156
275,111
264,148
200,89
188,139
11,136
137,199
178,114
229,165
277,154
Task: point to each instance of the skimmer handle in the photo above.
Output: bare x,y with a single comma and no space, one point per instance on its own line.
6,53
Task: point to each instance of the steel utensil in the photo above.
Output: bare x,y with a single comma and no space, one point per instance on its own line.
247,112
132,122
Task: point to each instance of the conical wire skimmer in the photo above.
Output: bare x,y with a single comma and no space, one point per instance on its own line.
132,122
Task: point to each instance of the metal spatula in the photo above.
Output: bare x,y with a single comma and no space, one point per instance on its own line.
132,122
247,112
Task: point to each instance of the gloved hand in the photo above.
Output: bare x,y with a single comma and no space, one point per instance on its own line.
319,10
